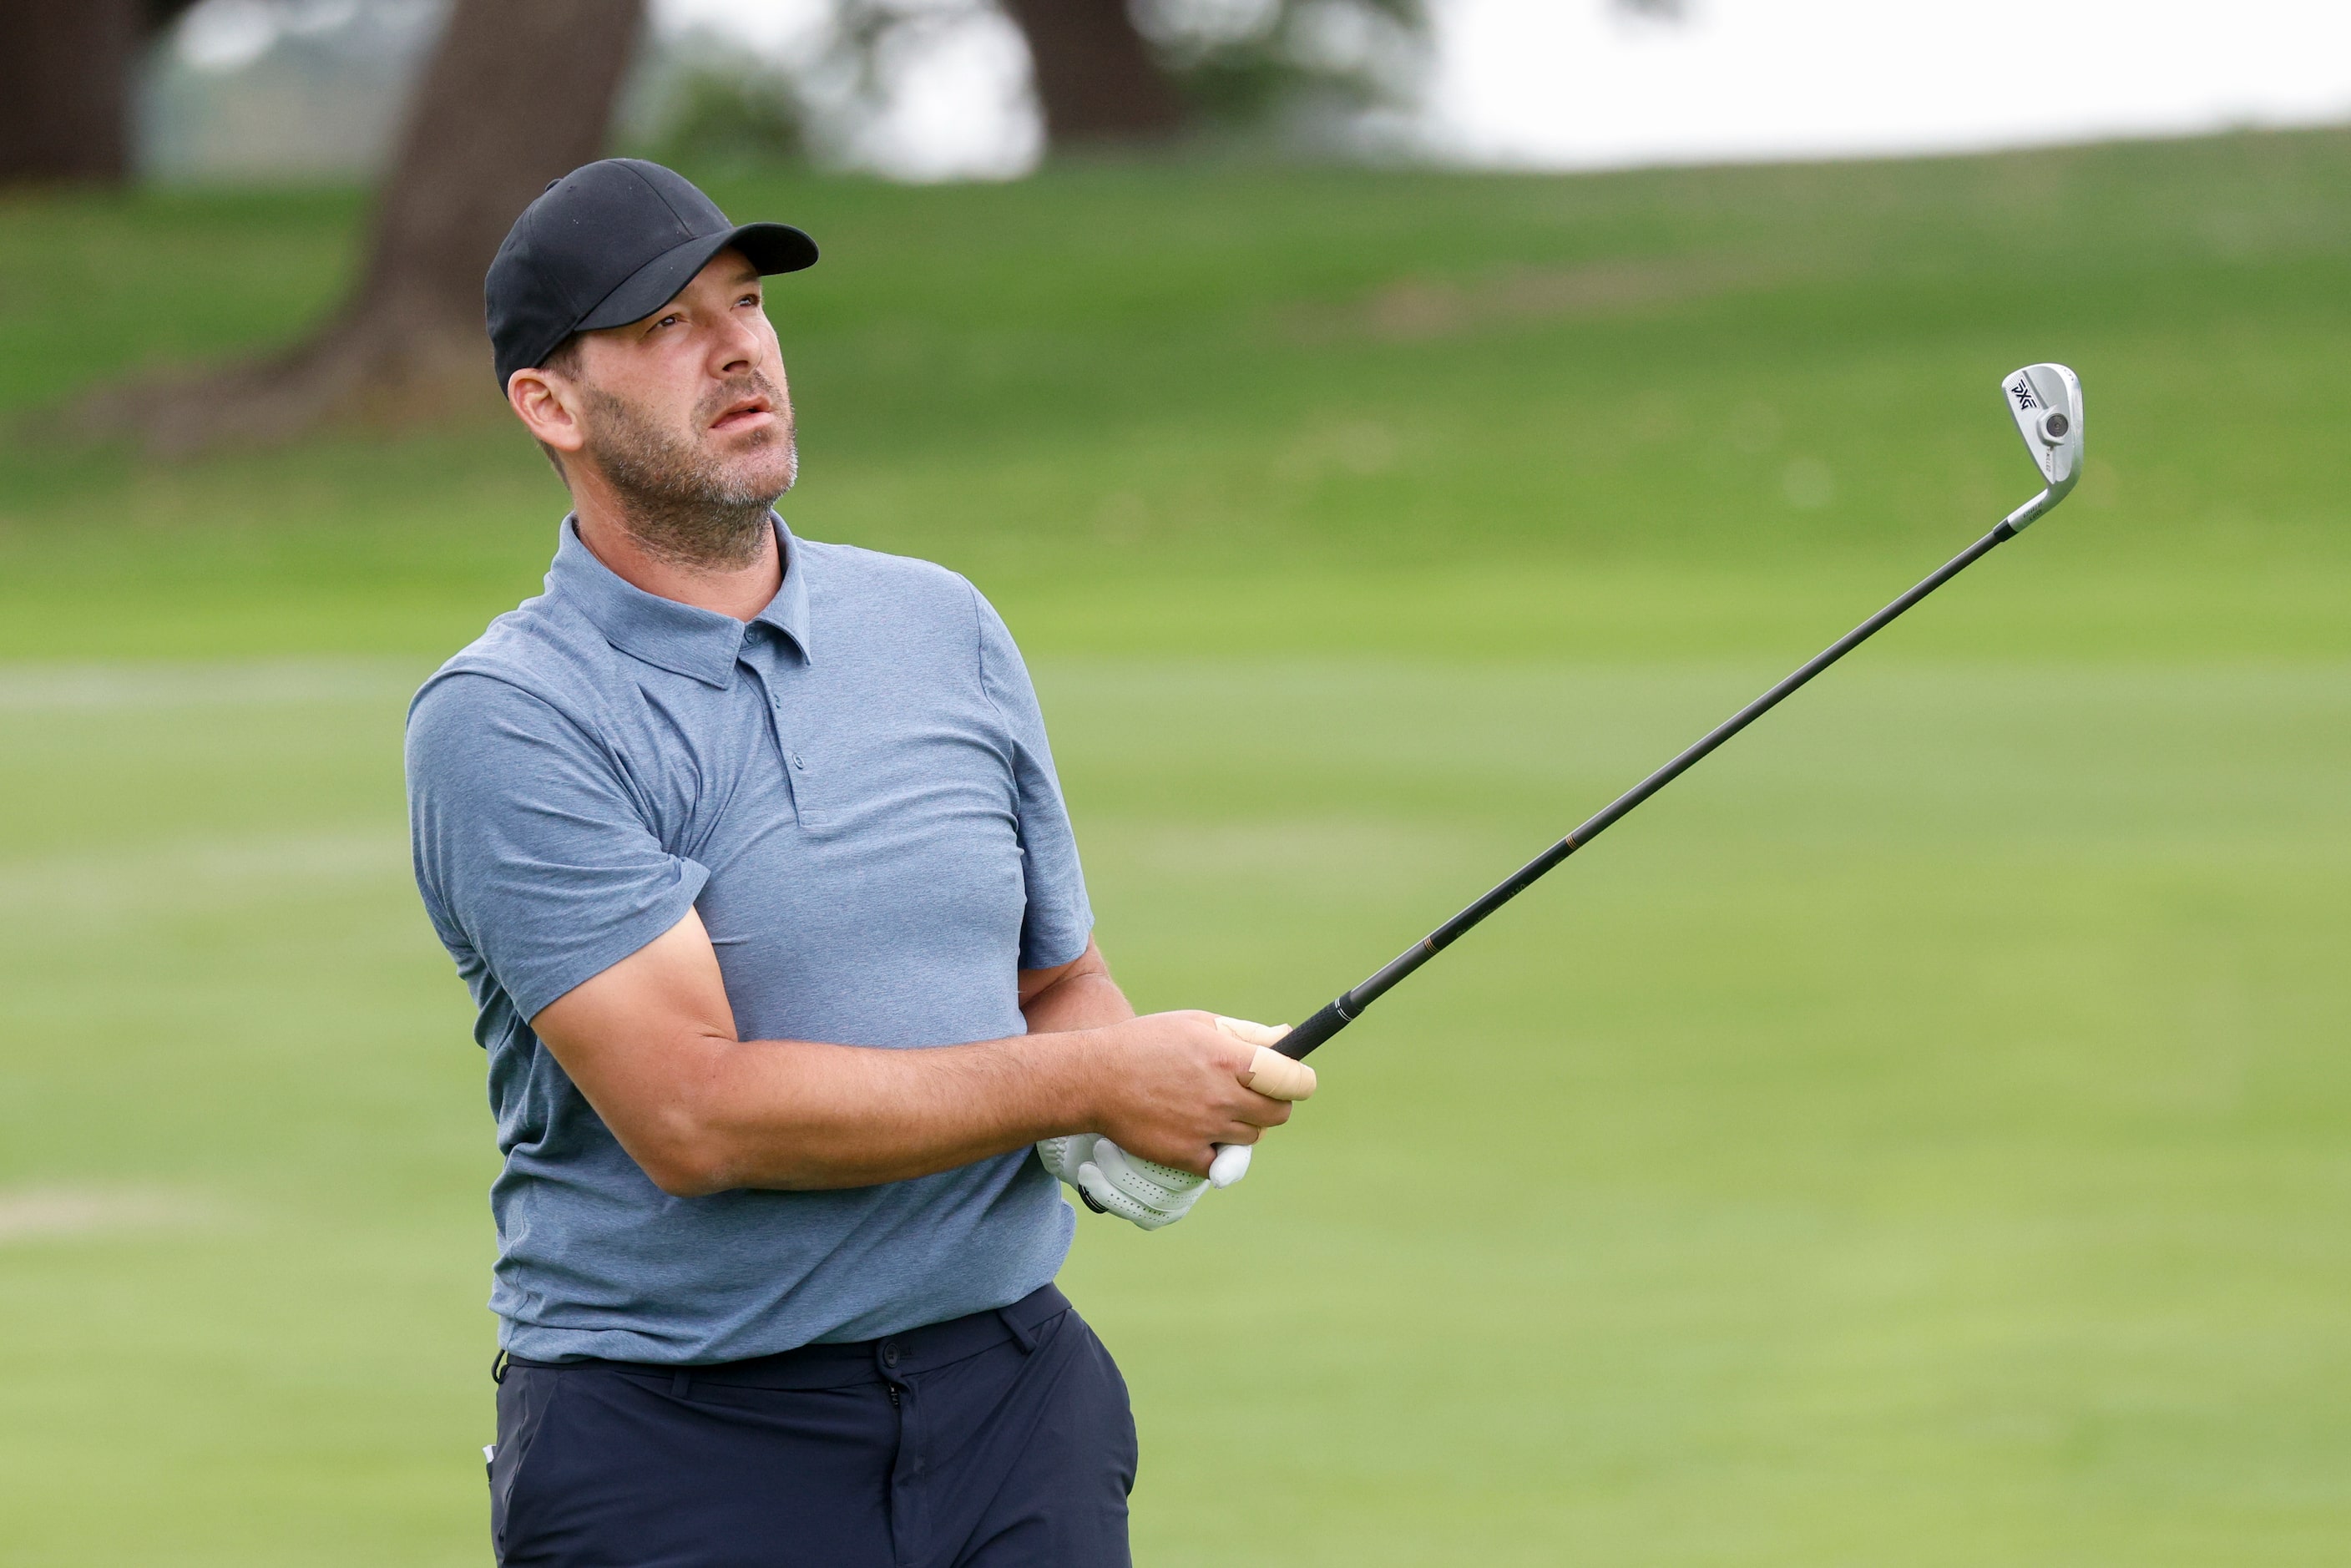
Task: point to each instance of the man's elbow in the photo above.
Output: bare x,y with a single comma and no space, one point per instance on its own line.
683,1139
700,1161
697,1139
683,1176
685,1161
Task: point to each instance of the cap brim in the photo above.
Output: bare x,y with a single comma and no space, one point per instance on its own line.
770,247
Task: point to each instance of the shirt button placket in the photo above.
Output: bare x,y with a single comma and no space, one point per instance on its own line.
792,759
803,801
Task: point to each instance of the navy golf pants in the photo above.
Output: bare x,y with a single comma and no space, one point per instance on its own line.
998,1440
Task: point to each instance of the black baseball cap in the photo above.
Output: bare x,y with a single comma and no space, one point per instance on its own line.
609,243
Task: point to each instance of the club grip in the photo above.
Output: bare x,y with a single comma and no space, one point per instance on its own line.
1313,1032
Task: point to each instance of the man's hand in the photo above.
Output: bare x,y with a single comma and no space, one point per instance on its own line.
1176,1087
1149,1194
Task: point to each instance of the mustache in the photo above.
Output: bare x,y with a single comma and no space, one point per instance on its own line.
754,384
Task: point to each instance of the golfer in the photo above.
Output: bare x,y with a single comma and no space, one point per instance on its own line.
751,853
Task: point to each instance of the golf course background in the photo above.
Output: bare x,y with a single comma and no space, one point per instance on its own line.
1920,1137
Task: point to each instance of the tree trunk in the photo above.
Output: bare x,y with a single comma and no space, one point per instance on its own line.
1096,77
65,90
518,94
67,68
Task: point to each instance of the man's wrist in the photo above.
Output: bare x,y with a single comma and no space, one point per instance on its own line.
1087,999
1065,1069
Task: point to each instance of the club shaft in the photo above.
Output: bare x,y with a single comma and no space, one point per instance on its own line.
1349,1005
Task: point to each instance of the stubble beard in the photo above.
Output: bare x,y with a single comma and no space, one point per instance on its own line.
683,503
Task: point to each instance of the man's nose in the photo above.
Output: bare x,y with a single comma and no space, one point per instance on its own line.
737,347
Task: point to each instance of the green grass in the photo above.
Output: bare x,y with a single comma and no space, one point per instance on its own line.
1920,1137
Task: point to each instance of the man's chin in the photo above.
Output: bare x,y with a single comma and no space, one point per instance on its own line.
768,472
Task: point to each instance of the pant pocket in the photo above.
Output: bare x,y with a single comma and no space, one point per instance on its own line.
525,1398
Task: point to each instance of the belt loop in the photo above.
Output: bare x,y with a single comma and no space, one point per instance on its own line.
498,1364
1027,1319
680,1384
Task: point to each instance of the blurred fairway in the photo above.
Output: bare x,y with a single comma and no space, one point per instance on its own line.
1922,1137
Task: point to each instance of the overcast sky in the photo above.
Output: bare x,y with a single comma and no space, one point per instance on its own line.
1569,83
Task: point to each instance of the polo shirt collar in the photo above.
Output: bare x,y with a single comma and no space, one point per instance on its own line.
682,639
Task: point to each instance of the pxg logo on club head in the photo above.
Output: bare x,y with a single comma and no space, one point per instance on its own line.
2046,402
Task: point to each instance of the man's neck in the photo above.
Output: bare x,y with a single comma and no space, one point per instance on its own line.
741,591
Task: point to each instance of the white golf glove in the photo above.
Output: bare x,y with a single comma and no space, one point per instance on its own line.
1112,1181
1147,1194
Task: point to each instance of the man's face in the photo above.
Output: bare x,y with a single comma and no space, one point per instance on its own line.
688,411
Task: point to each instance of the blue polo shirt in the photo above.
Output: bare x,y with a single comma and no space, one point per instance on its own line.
853,788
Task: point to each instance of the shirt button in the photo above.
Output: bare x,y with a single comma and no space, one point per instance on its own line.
798,763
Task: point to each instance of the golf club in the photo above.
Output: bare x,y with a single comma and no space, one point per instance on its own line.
2046,402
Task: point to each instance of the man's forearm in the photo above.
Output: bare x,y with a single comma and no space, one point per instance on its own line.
797,1114
861,1116
651,1043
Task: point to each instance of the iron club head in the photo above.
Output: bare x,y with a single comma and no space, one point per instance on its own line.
2046,402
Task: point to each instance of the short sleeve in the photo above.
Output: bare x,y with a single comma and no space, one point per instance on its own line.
531,852
1059,920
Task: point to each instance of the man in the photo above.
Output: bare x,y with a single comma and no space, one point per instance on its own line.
751,853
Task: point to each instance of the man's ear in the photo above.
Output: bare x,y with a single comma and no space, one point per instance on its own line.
546,404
